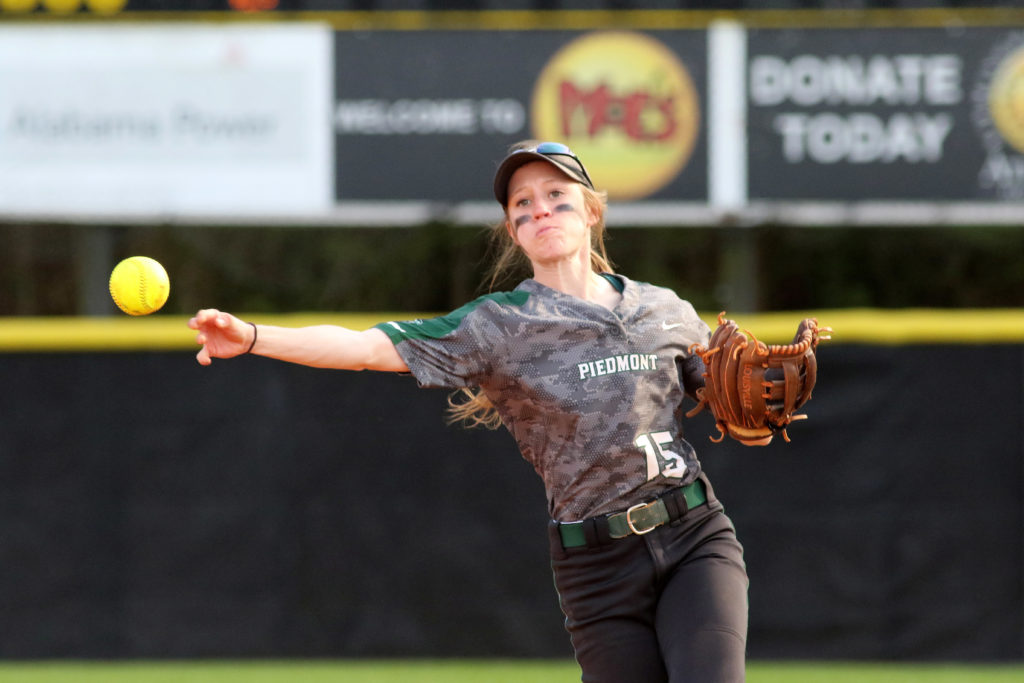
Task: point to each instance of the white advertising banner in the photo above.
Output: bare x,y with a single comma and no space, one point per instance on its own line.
171,120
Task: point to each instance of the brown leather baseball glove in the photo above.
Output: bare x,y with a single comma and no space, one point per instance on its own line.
754,389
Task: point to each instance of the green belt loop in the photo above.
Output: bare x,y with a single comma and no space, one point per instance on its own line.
572,535
695,494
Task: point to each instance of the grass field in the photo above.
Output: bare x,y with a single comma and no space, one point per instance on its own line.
470,671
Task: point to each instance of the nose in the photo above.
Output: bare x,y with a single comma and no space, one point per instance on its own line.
541,208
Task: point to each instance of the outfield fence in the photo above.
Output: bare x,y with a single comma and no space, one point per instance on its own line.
154,508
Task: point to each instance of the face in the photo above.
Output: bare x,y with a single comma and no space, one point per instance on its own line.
547,216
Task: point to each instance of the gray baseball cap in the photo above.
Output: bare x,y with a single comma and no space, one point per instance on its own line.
555,153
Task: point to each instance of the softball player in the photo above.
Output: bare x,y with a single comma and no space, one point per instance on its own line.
587,370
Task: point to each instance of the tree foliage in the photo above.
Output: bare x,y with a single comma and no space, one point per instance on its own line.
62,269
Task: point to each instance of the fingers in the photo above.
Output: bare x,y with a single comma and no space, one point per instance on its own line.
205,322
199,319
210,317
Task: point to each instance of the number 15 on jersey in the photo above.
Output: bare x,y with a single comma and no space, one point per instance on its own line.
660,460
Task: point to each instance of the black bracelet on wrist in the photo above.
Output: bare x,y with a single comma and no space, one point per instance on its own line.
254,335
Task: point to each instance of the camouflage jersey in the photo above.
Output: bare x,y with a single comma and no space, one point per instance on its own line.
593,397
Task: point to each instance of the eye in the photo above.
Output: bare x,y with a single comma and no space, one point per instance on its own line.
523,202
556,193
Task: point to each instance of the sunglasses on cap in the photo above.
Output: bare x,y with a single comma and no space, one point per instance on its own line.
557,148
551,152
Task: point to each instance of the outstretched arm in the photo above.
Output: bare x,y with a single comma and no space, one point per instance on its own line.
222,335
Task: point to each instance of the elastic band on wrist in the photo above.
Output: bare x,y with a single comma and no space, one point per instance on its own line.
254,335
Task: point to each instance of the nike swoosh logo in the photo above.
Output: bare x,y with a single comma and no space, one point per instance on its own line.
667,326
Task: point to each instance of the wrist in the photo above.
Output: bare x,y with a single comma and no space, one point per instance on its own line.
255,335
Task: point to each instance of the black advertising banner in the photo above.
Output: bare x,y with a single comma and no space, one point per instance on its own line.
908,114
426,115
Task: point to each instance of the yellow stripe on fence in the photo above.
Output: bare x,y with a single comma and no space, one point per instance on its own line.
850,326
156,332
891,327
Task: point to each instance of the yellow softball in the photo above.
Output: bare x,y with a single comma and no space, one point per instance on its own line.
139,285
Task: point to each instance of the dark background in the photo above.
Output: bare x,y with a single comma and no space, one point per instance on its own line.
62,269
155,508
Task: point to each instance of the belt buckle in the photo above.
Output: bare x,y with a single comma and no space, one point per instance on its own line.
629,519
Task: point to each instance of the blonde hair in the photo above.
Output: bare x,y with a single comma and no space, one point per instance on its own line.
470,405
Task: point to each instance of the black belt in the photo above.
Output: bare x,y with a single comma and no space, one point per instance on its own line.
639,519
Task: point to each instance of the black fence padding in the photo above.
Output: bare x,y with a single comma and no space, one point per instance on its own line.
150,507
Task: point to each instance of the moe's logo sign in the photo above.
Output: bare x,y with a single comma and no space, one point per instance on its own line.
998,115
626,104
